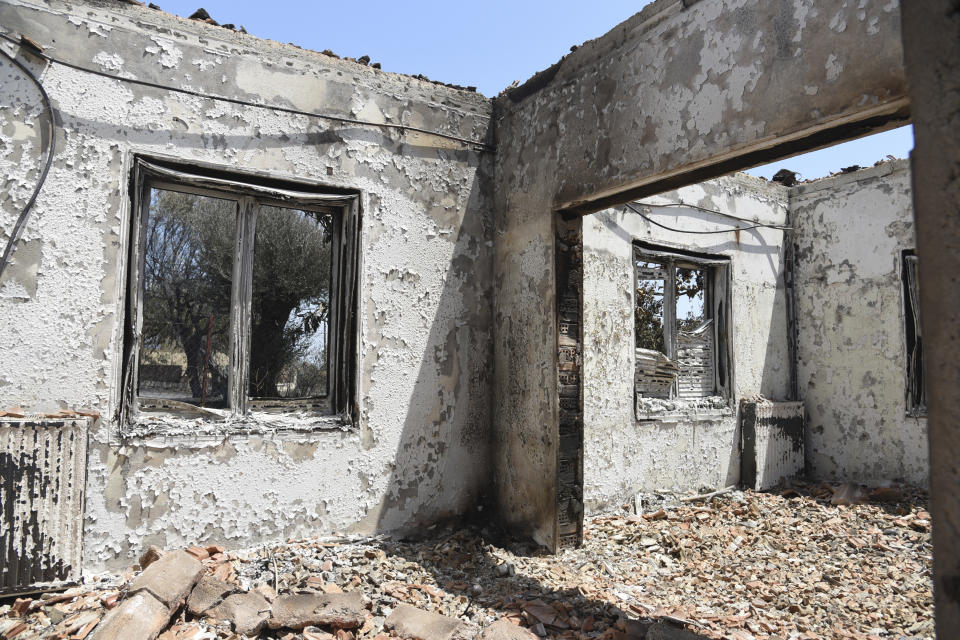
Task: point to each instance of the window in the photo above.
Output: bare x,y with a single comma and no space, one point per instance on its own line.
242,297
916,387
681,328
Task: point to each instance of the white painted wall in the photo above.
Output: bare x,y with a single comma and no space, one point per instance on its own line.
851,230
419,452
622,454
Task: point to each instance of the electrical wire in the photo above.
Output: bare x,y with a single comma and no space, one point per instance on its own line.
663,226
22,218
246,103
715,212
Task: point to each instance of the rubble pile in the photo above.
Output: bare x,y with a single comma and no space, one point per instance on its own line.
811,562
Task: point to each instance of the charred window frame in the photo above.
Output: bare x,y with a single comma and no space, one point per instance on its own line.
336,215
686,363
913,333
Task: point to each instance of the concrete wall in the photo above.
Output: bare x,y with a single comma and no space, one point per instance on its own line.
683,86
673,95
419,452
525,432
684,450
679,93
931,34
850,232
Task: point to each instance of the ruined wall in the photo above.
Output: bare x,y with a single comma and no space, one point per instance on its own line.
419,451
525,432
685,86
683,450
932,49
850,232
679,93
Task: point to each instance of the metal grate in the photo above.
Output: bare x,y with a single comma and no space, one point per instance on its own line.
42,478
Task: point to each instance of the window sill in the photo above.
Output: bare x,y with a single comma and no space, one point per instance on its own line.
701,409
149,425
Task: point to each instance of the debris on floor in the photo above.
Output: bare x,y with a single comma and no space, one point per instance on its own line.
738,565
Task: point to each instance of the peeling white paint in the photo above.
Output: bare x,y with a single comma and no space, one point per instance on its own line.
684,91
170,54
418,452
834,67
93,27
851,231
108,61
839,22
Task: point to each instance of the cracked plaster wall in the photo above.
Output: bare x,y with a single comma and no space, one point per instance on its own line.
681,452
678,93
682,85
419,452
850,231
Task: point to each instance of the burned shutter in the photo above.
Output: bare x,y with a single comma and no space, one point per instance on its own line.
695,355
916,387
569,505
42,478
720,311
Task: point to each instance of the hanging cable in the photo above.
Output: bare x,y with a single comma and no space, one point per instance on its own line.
663,226
51,131
246,103
715,212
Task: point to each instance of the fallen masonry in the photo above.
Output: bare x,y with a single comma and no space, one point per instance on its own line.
801,563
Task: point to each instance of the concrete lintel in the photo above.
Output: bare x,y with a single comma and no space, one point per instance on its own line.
693,92
932,46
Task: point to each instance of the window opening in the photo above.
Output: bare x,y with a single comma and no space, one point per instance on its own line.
695,334
680,326
651,282
289,353
187,280
242,298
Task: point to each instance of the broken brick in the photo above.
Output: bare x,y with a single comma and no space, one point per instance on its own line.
247,612
170,579
198,552
340,610
416,624
21,605
208,593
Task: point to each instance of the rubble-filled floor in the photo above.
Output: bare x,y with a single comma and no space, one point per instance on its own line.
741,565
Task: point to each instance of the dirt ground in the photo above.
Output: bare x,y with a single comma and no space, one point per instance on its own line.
741,565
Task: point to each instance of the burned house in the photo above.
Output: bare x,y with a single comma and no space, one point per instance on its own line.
705,299
265,292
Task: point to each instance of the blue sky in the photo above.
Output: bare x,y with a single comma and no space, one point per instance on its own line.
487,45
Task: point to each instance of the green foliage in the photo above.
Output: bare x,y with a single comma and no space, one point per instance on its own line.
648,318
291,302
188,271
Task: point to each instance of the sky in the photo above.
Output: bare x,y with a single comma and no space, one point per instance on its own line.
489,45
